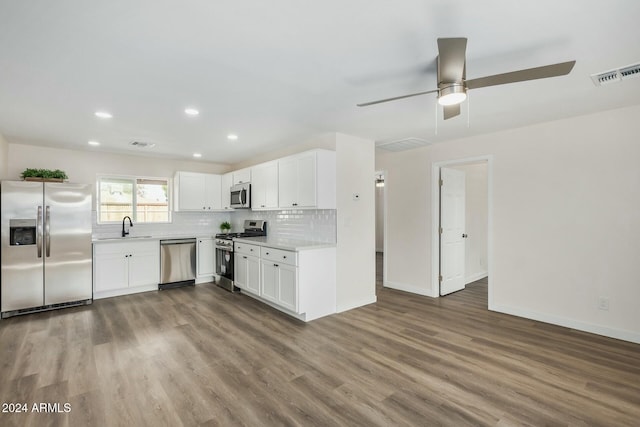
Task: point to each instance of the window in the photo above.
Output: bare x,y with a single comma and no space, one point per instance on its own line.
143,199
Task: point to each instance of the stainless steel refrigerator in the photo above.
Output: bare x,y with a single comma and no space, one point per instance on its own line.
45,246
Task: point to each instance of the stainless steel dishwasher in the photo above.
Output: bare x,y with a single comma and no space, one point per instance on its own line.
177,263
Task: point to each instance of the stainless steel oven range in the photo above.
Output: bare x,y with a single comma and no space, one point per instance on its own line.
224,251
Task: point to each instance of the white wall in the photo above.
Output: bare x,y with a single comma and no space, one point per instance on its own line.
82,166
476,220
566,219
4,157
356,278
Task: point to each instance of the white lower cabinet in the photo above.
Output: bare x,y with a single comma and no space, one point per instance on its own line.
280,284
121,268
247,273
247,267
300,283
206,253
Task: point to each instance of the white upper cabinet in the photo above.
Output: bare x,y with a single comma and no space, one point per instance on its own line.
226,182
197,192
307,180
264,186
242,176
213,192
189,191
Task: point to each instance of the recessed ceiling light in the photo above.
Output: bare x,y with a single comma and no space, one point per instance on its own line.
197,155
191,111
103,114
94,143
232,136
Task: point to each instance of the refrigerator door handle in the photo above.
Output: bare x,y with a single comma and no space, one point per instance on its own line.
39,232
47,231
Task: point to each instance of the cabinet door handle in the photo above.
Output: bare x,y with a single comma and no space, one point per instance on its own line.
244,257
276,265
266,253
284,257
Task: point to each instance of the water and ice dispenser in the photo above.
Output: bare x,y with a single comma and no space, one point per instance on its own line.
22,232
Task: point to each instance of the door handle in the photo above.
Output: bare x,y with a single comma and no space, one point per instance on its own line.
39,232
47,231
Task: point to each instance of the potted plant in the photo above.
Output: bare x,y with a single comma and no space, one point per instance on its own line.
31,174
225,227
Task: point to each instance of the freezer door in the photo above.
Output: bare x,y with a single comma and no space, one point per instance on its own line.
67,243
22,269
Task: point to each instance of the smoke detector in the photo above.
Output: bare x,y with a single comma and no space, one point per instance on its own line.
617,75
140,144
403,144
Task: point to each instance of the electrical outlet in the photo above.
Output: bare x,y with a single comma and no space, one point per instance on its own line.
603,303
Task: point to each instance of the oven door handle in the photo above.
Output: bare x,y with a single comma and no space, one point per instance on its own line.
225,248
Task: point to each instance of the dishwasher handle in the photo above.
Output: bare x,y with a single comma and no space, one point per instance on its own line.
177,241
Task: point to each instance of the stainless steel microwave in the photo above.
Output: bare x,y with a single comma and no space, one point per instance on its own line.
241,196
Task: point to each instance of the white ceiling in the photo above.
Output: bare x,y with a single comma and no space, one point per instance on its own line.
279,72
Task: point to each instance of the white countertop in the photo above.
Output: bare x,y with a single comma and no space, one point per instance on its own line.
109,239
286,244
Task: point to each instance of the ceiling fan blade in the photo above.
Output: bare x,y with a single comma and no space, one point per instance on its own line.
451,111
395,98
543,72
451,59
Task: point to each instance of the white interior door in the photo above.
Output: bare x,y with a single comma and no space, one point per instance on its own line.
452,231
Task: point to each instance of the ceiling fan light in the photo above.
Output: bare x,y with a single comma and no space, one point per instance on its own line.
452,95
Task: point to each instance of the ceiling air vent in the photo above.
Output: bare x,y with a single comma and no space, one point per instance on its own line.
140,144
617,75
402,144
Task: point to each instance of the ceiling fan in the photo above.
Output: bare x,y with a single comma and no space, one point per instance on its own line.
452,76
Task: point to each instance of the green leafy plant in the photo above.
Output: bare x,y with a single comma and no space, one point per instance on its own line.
44,173
225,226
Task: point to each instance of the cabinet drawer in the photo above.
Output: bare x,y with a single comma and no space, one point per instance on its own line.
246,249
279,256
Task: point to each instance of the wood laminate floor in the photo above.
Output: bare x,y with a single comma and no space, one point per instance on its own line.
202,356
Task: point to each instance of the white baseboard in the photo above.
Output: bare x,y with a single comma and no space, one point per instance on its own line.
477,276
569,323
351,306
407,288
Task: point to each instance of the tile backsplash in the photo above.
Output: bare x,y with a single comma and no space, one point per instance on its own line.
318,225
303,224
184,224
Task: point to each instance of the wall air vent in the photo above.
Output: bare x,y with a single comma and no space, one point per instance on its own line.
402,144
140,144
617,75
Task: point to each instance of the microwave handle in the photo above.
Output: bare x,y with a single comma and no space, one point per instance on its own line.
243,197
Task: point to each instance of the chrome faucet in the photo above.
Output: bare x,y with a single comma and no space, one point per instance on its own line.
124,233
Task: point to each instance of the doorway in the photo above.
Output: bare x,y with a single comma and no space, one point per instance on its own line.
475,235
381,229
